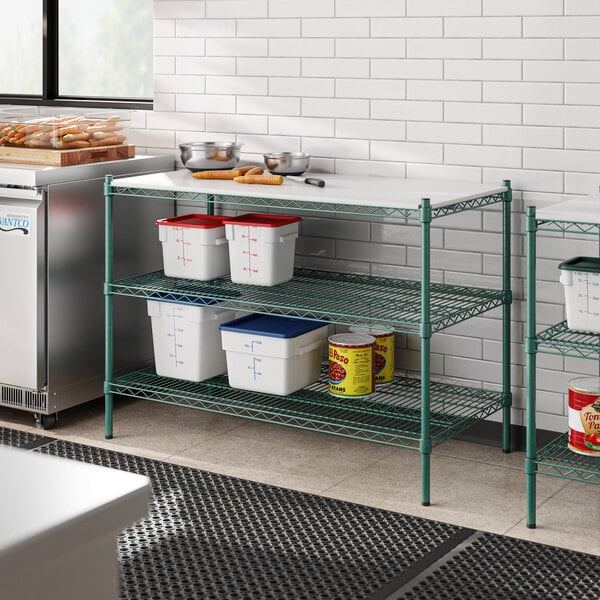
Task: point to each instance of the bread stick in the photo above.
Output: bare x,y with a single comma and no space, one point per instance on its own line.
228,174
263,179
111,141
242,170
255,171
76,137
71,145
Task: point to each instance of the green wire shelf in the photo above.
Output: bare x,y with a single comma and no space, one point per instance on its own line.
559,339
337,297
390,416
567,227
555,459
362,210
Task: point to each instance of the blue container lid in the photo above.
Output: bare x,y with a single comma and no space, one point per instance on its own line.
271,326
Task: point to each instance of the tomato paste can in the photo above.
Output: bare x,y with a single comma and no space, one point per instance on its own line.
384,352
351,365
584,415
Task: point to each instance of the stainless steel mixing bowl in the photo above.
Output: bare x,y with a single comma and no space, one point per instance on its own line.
287,163
204,156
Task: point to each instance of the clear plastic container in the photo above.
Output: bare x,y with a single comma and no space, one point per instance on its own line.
62,131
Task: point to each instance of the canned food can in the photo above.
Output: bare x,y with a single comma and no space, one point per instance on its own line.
384,352
584,415
351,365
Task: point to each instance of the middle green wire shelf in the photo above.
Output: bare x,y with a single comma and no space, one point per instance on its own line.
337,297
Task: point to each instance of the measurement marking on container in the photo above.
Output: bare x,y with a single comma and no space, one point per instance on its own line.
182,257
250,254
251,345
591,298
255,372
177,313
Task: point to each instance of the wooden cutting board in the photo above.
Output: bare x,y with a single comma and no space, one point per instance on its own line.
65,158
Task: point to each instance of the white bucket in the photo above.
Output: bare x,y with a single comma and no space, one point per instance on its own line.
580,277
194,246
258,360
187,340
261,248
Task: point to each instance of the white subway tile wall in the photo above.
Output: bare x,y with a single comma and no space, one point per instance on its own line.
477,90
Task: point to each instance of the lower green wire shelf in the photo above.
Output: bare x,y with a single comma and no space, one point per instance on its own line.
389,416
557,460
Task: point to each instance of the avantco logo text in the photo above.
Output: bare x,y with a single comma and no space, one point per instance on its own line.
15,224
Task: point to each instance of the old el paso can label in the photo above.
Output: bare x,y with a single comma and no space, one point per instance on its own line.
351,365
584,415
384,352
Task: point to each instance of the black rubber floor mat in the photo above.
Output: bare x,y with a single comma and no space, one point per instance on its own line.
496,567
14,437
214,537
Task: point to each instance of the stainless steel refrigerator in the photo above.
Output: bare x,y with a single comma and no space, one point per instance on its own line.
52,275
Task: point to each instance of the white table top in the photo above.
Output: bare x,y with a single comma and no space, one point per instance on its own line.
45,498
387,192
582,210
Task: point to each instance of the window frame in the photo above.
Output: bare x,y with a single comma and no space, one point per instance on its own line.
50,96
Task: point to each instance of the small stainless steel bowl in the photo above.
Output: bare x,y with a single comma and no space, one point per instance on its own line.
287,163
204,156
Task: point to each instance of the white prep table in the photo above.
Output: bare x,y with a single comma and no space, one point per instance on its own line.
59,519
387,192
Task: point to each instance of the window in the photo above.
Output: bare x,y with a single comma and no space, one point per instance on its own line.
90,53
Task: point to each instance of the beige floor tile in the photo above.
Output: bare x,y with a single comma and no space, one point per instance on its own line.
570,519
463,492
242,457
491,455
142,424
290,457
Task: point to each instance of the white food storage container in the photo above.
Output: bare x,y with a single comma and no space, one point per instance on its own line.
580,277
261,248
194,246
187,340
273,354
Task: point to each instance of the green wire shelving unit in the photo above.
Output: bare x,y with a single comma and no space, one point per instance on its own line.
410,413
554,459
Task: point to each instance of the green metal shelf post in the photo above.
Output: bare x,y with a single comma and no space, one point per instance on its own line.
108,308
506,317
425,334
555,459
530,350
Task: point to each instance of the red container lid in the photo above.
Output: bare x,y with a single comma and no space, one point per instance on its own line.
200,221
261,220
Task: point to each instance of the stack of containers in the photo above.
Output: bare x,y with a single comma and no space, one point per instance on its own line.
186,337
188,341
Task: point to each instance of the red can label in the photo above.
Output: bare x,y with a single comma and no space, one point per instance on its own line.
584,422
